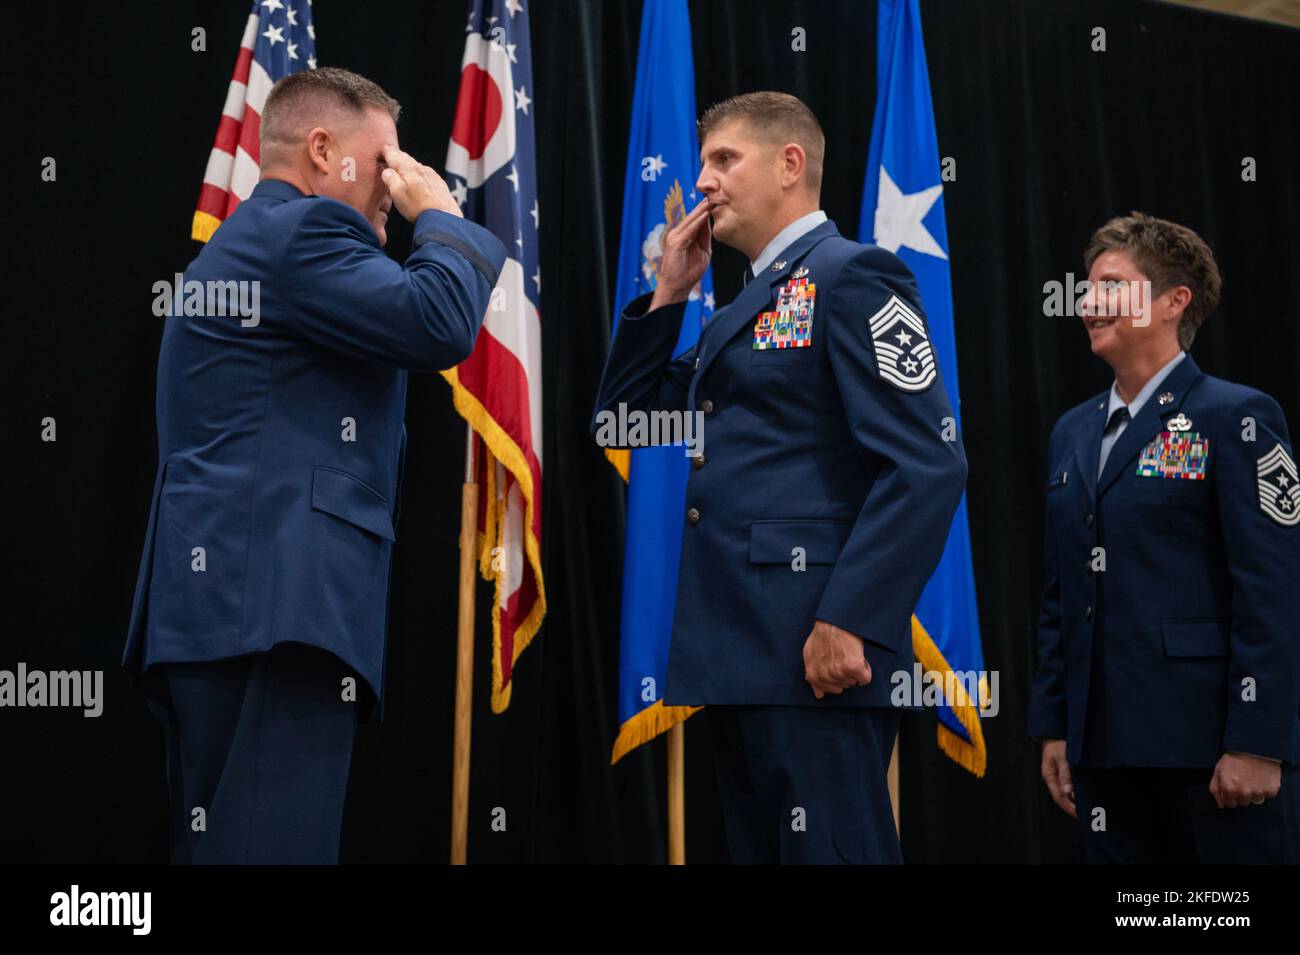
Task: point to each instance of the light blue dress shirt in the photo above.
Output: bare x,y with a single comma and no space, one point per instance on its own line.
782,240
1111,435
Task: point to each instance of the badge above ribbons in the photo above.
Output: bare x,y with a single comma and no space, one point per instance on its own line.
903,351
790,326
1279,489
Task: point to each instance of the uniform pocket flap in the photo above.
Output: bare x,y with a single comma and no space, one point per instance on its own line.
774,542
1195,638
340,494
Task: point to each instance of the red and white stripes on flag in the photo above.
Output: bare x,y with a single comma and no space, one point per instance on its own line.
498,389
279,39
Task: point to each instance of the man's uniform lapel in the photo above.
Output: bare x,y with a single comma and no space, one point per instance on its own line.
755,296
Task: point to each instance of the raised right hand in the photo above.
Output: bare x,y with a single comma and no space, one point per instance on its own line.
687,250
415,188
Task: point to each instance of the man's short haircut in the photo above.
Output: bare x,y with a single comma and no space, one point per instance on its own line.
774,118
1169,255
302,101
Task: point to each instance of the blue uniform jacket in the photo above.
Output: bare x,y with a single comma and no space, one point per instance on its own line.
809,451
1185,645
281,440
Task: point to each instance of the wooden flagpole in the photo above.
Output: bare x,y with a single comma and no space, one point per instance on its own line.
464,655
893,782
676,794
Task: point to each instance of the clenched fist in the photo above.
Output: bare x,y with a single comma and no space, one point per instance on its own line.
1243,780
415,188
833,660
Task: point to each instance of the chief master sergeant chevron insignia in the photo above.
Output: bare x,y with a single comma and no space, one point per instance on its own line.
1279,491
903,350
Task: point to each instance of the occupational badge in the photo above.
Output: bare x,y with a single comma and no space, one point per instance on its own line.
1279,491
903,352
790,324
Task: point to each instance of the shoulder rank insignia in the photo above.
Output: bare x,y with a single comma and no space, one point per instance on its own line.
790,326
1279,490
1175,454
903,351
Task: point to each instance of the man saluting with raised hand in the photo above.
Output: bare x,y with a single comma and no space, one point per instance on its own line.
260,611
820,501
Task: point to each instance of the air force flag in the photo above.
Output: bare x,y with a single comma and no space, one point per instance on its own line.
658,191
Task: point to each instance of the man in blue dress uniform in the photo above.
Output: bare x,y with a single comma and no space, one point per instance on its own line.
820,496
1167,695
260,613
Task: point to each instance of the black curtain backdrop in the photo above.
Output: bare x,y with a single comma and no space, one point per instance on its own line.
1050,139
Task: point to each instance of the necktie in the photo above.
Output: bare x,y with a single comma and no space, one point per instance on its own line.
1118,418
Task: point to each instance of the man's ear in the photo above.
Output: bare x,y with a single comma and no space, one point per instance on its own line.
793,163
319,146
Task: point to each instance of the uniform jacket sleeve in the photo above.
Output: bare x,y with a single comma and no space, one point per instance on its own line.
900,532
641,371
1047,701
346,295
1263,555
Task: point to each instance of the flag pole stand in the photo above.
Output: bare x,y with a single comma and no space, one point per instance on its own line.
464,656
676,794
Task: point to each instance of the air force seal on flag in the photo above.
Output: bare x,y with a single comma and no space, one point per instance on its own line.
903,351
1279,491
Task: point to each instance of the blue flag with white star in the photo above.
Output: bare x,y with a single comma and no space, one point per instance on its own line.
902,211
658,191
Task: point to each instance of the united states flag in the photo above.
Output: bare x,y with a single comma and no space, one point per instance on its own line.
279,39
498,389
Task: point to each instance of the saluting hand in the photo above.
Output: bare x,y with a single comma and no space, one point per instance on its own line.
833,660
687,250
415,188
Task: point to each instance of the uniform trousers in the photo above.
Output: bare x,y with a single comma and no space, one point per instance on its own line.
802,784
1168,817
262,745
